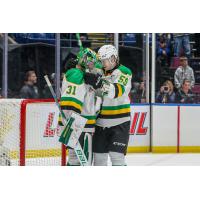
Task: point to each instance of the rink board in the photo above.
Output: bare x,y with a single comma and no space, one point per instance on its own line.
175,128
139,140
42,130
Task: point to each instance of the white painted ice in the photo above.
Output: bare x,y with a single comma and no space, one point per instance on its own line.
135,159
176,159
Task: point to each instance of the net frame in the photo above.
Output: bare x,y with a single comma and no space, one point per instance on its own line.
23,127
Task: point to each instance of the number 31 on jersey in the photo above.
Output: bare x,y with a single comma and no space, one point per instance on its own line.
71,90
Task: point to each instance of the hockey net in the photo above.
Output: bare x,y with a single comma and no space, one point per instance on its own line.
29,133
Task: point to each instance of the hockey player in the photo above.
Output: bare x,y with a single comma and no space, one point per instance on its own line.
113,123
78,97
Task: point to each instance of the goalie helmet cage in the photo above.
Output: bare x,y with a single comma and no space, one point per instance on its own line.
30,145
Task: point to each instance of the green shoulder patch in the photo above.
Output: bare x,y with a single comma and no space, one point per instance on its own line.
125,70
75,76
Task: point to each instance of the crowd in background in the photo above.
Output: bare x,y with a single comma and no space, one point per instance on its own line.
175,78
172,51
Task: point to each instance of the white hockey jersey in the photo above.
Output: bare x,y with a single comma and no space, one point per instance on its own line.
78,97
115,108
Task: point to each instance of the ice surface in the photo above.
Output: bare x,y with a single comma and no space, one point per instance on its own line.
135,159
175,159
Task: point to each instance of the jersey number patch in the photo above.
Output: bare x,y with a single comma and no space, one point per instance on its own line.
71,90
123,80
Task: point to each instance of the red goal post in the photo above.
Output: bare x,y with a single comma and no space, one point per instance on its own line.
29,132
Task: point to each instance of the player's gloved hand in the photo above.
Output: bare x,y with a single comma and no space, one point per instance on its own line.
105,88
93,80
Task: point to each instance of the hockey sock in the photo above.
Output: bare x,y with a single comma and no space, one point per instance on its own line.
117,159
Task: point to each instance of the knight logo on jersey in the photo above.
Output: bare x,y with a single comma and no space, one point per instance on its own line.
50,129
137,125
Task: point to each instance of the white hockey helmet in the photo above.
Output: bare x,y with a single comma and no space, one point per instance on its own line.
107,51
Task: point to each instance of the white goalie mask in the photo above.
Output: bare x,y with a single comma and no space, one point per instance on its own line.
106,52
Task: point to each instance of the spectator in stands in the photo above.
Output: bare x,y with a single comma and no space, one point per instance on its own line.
163,51
29,90
166,93
137,93
181,44
184,94
184,71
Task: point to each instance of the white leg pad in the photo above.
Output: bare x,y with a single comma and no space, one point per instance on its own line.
72,158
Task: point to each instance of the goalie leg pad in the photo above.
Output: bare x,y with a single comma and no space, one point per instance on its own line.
117,159
72,130
87,147
72,158
86,143
100,159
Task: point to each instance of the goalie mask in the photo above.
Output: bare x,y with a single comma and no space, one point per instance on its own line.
108,53
86,57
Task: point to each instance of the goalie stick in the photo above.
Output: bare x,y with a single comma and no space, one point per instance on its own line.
78,149
79,41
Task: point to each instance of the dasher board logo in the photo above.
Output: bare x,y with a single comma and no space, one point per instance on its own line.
51,130
137,124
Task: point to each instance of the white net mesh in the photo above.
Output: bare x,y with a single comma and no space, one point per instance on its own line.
9,131
40,120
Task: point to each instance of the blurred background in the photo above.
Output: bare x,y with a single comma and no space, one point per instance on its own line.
40,52
153,57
